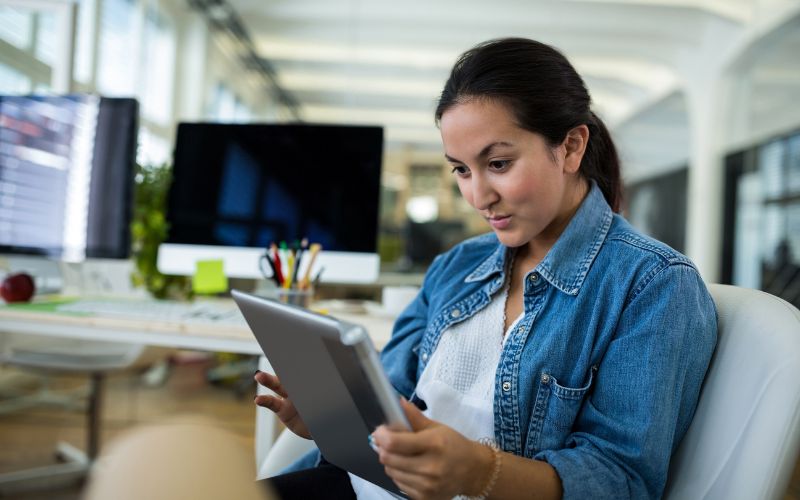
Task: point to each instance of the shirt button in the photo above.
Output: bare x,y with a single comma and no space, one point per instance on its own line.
424,356
534,277
545,378
455,313
506,386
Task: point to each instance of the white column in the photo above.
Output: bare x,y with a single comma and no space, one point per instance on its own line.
192,66
705,74
706,176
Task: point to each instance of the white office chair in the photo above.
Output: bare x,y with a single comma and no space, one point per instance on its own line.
50,355
744,439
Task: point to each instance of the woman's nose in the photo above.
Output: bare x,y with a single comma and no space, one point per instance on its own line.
483,193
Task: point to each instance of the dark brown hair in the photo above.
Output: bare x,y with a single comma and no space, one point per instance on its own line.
546,96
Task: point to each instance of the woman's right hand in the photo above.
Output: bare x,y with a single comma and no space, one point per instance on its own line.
281,405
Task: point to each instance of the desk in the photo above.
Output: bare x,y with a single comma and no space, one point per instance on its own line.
194,334
199,335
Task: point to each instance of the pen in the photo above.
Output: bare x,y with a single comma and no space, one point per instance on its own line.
300,250
276,255
318,277
268,258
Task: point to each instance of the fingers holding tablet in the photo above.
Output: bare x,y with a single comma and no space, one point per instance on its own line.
271,382
280,405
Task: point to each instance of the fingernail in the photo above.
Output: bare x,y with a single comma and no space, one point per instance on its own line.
372,443
256,372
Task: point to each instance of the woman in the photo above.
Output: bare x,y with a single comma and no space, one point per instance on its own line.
564,338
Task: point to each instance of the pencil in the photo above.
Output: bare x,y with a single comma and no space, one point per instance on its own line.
314,250
283,250
289,270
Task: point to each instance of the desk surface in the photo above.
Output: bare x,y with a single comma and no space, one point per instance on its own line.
200,335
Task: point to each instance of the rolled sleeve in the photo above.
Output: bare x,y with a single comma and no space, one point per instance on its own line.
645,392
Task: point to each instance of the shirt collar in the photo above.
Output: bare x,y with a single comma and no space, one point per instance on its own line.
566,264
491,266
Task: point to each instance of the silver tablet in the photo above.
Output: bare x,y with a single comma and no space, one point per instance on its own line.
332,373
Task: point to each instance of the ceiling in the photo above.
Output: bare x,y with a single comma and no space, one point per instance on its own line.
384,62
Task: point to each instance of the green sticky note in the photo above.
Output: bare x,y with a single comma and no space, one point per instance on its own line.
209,277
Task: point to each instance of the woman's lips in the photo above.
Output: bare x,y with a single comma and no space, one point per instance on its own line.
500,222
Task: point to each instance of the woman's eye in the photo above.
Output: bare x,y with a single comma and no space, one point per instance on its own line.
499,164
460,170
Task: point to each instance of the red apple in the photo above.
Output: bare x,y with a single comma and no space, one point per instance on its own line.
17,287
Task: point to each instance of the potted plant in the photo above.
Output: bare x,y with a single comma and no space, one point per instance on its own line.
148,229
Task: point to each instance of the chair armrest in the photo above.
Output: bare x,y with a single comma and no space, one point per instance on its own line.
288,448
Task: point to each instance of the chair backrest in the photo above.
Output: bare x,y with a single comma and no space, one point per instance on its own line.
745,436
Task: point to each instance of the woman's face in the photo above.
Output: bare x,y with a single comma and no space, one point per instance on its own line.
525,189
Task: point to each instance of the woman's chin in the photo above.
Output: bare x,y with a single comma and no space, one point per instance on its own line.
510,240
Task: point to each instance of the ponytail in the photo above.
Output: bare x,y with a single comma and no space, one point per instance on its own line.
601,162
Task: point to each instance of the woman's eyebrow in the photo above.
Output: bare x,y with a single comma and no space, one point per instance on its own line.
484,152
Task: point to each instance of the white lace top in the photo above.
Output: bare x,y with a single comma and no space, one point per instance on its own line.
458,383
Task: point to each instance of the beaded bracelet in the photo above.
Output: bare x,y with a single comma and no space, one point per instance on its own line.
496,463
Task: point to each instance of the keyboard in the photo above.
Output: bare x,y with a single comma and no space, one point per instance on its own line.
158,310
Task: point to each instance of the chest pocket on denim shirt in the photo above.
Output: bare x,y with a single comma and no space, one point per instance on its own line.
556,409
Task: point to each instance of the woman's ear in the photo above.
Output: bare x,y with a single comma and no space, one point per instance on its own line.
574,147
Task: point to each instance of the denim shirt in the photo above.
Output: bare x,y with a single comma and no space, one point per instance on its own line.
601,376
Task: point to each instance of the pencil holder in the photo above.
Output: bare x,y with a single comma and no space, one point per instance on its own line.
295,296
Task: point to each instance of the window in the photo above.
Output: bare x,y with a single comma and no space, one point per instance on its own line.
762,206
159,52
116,70
16,27
84,34
153,149
12,81
32,38
46,33
226,106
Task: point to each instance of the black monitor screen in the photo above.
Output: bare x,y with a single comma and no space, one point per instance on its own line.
66,175
248,185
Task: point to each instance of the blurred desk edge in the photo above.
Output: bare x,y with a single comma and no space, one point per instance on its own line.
199,335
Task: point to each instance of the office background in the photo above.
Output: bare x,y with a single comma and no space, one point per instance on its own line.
685,87
701,96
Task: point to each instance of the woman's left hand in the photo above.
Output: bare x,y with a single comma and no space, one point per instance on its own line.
433,461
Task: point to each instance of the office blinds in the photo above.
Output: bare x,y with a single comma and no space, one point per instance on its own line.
117,49
793,165
770,161
793,208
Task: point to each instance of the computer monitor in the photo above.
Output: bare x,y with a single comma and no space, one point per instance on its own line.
66,175
236,188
